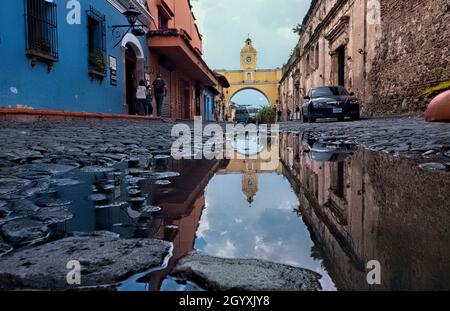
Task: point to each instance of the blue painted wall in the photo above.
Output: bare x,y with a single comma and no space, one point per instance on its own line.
68,86
209,104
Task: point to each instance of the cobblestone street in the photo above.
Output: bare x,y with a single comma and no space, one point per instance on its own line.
224,146
109,142
406,136
31,151
37,156
82,142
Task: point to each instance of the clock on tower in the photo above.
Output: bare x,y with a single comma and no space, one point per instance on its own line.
248,56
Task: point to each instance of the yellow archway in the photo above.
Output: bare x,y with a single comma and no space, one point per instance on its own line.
236,91
265,81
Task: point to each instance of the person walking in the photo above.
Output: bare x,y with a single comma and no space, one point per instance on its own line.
149,101
160,91
217,113
141,97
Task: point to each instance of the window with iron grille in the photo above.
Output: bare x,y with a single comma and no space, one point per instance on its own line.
41,29
96,42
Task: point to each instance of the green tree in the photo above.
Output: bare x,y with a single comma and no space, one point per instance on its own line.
267,115
298,29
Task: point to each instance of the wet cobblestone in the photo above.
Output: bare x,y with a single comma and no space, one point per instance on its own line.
405,136
33,152
35,156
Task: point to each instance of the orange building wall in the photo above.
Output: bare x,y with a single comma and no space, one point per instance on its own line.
184,19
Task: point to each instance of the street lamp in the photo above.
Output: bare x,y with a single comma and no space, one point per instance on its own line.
132,14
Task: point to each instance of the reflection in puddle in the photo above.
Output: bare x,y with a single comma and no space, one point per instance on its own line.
253,215
372,206
327,207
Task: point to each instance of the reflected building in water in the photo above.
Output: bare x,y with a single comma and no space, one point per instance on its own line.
357,205
250,185
182,206
250,170
372,206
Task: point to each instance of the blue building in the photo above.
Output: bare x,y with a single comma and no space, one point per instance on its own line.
209,103
66,55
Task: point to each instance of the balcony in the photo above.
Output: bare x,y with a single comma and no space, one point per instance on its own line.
176,46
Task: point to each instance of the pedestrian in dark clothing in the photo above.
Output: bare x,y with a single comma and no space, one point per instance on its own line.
160,91
149,101
279,113
141,96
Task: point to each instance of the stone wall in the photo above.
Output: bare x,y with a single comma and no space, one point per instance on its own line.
412,63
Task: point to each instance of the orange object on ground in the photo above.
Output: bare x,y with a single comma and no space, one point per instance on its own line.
439,108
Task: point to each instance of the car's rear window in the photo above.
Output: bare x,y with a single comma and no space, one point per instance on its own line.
241,112
329,91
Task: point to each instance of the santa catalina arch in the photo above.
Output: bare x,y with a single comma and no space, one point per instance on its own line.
250,78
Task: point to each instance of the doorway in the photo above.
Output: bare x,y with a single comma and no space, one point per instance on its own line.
198,92
165,69
185,100
206,109
341,65
131,85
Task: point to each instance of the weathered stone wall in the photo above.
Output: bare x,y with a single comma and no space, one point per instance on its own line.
412,62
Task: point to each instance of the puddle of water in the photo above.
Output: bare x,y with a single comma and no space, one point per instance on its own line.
327,207
372,206
255,215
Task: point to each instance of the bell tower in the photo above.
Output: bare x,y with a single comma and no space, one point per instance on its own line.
248,56
250,186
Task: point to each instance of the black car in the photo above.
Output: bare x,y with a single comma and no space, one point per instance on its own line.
242,115
330,102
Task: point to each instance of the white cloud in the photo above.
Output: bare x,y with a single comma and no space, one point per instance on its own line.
286,33
204,226
225,25
227,251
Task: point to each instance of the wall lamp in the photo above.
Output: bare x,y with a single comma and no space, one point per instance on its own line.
120,31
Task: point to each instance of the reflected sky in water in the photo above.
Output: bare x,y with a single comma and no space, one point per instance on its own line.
268,228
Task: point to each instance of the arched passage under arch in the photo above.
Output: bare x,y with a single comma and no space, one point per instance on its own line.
248,93
270,91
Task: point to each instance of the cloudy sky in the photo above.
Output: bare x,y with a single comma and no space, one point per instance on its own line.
269,229
225,24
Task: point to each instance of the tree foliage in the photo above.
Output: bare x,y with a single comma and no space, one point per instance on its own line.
267,115
298,29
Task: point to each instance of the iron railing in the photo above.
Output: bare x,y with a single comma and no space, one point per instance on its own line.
41,27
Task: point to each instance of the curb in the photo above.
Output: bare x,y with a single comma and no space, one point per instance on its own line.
30,114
